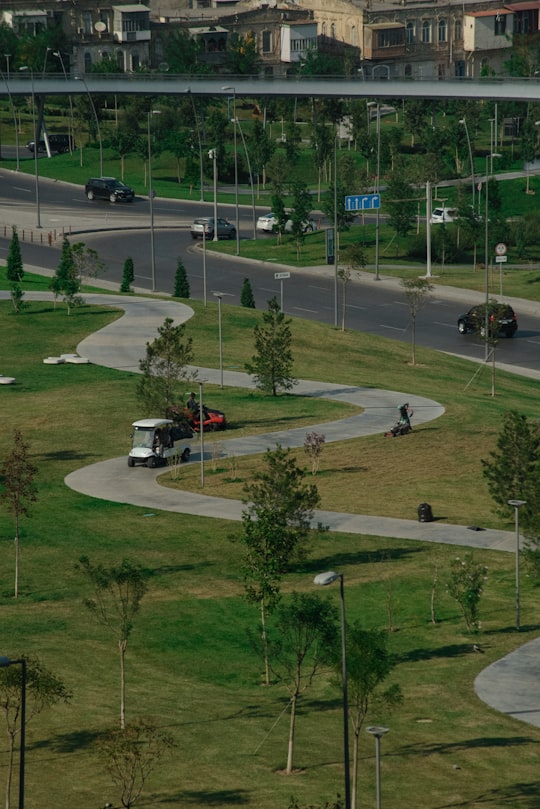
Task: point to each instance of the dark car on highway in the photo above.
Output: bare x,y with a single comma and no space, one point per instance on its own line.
501,320
109,188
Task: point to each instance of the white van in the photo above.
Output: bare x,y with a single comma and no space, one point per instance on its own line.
441,216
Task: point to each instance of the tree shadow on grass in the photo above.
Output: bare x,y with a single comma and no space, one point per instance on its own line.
221,797
487,742
453,650
340,560
69,742
65,455
524,796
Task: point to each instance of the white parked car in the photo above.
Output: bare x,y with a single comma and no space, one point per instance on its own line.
267,223
441,216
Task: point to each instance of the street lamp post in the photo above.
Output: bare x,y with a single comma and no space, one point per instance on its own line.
212,154
72,128
378,731
463,122
233,91
151,198
36,141
4,662
326,579
98,128
201,428
517,505
219,296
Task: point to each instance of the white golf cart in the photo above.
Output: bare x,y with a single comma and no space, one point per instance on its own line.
156,440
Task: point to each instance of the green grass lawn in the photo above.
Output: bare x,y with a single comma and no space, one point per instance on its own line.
189,661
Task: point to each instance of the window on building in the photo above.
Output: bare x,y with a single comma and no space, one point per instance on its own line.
441,71
333,31
266,41
135,22
323,29
87,62
135,61
442,30
390,38
458,29
353,36
500,24
460,69
269,72
87,22
408,72
426,31
409,33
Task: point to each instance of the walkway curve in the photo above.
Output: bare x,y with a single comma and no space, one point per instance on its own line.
510,685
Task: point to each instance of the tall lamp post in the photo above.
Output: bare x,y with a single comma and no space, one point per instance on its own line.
248,161
98,128
151,198
72,128
4,663
36,141
233,91
201,427
378,731
219,296
201,174
463,122
517,505
212,154
325,579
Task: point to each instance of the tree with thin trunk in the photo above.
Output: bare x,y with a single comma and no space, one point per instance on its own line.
272,365
303,639
131,754
417,293
276,526
43,690
164,369
18,488
369,663
247,298
87,262
118,592
66,280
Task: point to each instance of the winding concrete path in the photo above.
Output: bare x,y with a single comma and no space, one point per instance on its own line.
510,685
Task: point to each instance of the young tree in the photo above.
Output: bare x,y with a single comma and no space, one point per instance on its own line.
181,283
164,368
16,295
303,640
19,490
14,263
261,149
401,204
280,212
369,662
276,525
87,262
131,754
118,592
313,447
300,212
43,690
246,295
128,276
417,293
512,470
66,280
466,585
272,365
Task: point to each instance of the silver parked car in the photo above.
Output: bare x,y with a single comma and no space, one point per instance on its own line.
205,224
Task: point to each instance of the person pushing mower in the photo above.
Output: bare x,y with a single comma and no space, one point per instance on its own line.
403,426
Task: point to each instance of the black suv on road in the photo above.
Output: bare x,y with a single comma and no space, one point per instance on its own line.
501,318
109,188
57,143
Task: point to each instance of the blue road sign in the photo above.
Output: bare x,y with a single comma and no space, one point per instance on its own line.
363,202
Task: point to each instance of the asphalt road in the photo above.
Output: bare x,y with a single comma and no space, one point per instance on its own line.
118,231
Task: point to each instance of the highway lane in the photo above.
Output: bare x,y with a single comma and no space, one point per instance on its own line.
376,308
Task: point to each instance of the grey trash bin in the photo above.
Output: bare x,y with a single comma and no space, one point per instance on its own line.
425,513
